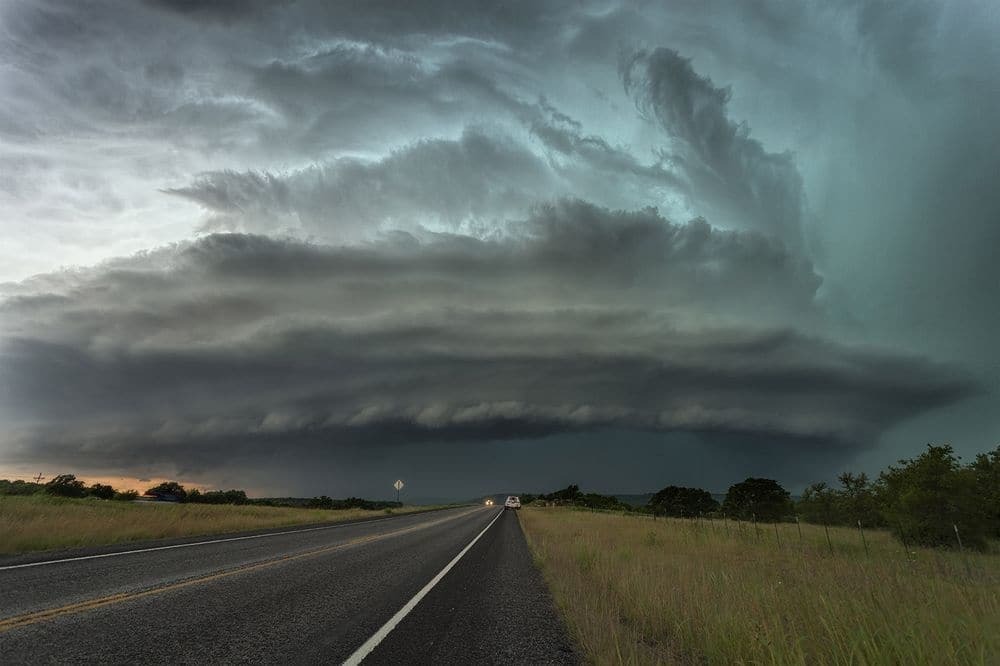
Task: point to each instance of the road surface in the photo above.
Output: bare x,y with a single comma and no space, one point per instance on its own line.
447,587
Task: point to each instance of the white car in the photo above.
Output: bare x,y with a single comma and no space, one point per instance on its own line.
512,503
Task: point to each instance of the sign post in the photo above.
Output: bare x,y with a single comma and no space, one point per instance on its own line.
398,486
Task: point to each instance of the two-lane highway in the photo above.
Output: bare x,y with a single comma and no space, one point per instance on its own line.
454,586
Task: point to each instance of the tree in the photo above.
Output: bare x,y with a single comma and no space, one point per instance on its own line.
169,490
66,485
218,497
926,498
126,496
568,494
682,502
986,473
857,501
764,499
321,502
818,504
101,491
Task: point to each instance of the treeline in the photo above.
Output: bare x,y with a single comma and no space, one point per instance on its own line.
930,500
67,485
572,496
324,502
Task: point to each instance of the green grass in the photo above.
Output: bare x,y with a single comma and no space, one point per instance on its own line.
41,522
638,591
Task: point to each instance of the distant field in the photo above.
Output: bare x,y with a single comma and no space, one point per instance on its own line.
638,591
40,522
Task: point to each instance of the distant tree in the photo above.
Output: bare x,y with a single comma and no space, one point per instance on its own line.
986,475
682,502
818,504
194,496
66,485
763,498
600,502
218,497
101,491
568,494
321,502
857,502
926,498
126,496
169,490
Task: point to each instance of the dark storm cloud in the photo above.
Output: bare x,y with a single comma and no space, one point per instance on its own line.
458,290
718,156
574,320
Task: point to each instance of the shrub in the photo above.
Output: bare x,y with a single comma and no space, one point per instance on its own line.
19,487
926,498
101,491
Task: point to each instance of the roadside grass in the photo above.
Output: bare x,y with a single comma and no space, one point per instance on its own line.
42,522
638,591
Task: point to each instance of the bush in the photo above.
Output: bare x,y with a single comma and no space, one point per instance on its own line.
126,496
927,498
762,499
101,491
218,497
18,487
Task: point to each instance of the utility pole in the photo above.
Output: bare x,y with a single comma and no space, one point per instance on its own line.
39,477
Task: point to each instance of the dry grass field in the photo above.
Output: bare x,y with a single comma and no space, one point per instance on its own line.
638,591
40,522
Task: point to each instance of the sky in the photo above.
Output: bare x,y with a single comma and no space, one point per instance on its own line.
310,248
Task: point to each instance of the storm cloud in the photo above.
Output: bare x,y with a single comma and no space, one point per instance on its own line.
578,319
281,236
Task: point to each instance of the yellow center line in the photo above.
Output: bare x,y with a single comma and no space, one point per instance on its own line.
40,616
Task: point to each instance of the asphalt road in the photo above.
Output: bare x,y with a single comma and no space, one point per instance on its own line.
448,587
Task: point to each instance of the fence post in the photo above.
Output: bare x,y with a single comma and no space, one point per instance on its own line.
798,525
863,540
776,535
756,531
828,541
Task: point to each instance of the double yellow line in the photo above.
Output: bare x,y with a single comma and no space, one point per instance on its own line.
28,619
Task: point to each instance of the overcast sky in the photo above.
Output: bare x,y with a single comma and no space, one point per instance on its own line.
312,247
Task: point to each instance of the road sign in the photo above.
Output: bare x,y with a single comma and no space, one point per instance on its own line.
398,485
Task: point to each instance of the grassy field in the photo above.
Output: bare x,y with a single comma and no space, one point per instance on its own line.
40,522
638,591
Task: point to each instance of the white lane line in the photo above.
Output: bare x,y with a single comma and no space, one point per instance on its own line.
380,635
203,543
